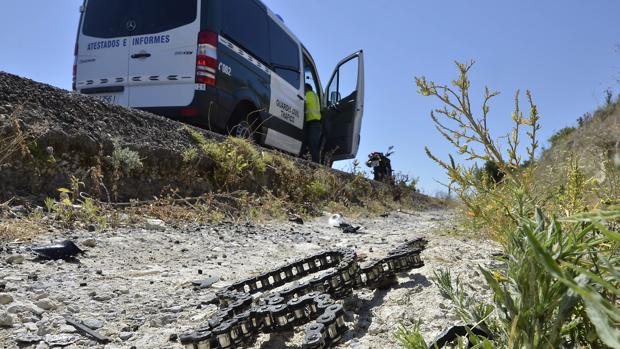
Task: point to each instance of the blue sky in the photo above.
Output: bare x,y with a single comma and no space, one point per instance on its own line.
566,52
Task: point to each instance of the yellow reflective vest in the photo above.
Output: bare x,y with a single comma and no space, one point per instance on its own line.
313,107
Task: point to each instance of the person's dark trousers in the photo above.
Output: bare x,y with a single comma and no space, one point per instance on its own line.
313,139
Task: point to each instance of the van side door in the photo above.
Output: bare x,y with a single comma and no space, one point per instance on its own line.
285,128
162,54
344,108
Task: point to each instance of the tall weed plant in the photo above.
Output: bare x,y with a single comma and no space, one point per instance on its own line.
560,284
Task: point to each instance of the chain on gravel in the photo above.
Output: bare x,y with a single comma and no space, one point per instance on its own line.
242,317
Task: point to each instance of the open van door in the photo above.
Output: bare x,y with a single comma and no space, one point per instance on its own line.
343,109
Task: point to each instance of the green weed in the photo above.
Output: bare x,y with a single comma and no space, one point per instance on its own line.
560,284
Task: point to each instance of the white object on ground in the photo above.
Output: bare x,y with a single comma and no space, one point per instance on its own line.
335,220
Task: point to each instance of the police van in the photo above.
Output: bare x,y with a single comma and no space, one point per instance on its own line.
231,66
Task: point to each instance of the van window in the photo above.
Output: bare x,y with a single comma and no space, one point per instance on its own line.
284,54
156,16
106,18
246,24
110,18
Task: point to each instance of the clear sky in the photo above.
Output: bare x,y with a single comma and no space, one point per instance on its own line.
566,52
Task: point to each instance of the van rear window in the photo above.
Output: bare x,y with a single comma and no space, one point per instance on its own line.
118,18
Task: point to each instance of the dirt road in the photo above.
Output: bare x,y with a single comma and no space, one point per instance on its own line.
133,284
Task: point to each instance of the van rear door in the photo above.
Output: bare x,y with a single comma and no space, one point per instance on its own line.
103,50
344,108
162,53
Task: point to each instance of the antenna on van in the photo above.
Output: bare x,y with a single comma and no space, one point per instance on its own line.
280,17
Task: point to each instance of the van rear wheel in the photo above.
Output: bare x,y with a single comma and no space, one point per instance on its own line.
245,124
242,130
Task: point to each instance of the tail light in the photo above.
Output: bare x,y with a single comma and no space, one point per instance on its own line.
206,58
75,55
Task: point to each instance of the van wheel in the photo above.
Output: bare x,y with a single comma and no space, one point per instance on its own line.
245,124
242,130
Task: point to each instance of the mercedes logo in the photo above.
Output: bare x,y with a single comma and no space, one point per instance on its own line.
131,25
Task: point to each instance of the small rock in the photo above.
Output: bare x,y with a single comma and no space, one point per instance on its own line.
15,259
176,309
26,338
155,225
40,296
60,340
162,321
35,310
17,308
93,324
67,329
103,297
6,319
46,304
44,328
32,327
42,345
5,298
90,242
125,335
20,210
173,337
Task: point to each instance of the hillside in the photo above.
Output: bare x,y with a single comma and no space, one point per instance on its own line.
594,143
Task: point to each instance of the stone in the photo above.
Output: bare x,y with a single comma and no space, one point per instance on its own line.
67,329
162,321
93,324
125,335
35,310
90,243
40,296
27,338
73,309
60,340
46,304
176,309
31,326
5,298
6,319
44,329
103,297
17,308
155,225
15,259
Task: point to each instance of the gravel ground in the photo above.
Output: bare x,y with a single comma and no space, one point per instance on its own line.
133,284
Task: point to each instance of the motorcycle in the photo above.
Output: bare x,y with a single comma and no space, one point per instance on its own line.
381,166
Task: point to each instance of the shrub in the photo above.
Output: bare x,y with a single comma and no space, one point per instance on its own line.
456,121
234,160
560,285
561,135
126,159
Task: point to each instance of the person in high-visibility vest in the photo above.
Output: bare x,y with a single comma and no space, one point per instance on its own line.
313,129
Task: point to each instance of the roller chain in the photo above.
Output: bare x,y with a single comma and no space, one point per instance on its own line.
260,304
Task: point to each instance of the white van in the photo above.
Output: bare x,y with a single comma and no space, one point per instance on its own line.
231,66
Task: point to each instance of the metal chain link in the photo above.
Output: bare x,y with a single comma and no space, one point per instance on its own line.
242,317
